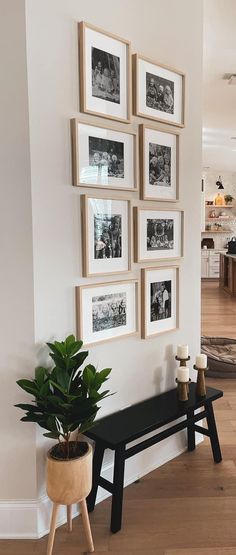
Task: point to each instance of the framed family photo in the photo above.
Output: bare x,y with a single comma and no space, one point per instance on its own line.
159,91
106,235
160,300
104,157
105,73
159,160
158,234
107,311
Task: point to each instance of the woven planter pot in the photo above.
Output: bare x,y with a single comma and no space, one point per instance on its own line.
69,481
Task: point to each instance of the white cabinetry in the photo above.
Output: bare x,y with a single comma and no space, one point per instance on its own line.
210,264
204,264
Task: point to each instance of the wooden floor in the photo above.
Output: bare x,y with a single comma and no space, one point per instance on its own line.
186,507
218,311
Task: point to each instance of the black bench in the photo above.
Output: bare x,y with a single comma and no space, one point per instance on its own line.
118,429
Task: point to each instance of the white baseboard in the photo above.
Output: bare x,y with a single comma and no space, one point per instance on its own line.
30,519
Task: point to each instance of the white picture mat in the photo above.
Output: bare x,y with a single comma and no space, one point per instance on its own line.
110,207
147,67
89,174
86,313
112,46
165,139
155,276
144,215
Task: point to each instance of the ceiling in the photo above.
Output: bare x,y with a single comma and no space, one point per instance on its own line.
219,98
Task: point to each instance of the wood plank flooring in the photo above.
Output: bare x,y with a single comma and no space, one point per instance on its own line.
186,507
218,311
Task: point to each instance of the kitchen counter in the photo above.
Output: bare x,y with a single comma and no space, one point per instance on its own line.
228,273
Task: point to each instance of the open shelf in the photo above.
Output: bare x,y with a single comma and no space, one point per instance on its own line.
220,206
215,231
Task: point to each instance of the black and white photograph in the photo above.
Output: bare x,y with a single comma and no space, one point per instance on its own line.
159,165
107,157
106,224
109,311
104,156
106,311
105,70
159,93
105,75
107,236
160,299
160,234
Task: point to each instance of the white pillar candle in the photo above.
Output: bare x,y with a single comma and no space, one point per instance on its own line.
201,361
183,374
182,351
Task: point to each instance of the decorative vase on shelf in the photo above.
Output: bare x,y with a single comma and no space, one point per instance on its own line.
219,200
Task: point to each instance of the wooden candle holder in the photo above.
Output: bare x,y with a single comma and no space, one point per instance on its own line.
183,390
183,361
201,385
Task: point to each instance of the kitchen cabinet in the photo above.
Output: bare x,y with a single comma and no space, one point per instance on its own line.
228,273
210,264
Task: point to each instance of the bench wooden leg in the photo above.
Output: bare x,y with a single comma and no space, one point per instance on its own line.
191,432
86,525
118,485
52,529
97,465
215,445
69,518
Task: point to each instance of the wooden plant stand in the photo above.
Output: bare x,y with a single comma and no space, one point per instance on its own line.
69,482
85,520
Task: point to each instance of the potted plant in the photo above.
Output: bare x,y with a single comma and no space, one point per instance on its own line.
228,199
65,400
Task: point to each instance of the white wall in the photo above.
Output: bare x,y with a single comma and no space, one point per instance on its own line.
18,457
172,34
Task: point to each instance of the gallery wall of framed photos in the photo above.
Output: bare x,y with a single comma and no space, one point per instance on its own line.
140,161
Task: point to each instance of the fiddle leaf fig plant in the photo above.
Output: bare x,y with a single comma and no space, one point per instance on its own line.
65,397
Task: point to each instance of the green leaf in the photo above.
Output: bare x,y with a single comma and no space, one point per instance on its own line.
58,387
28,407
52,435
104,373
92,368
63,378
32,418
40,375
59,361
88,376
44,389
28,386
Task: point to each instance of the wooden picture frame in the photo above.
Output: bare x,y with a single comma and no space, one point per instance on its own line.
109,265
110,130
165,322
140,107
173,251
105,292
102,107
160,193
